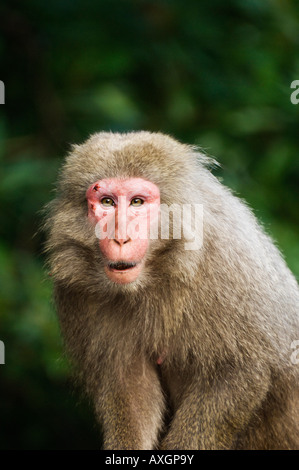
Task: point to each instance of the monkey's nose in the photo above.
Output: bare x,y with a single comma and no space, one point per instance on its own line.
121,241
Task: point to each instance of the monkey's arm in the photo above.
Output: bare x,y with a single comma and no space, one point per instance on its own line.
212,417
130,410
128,398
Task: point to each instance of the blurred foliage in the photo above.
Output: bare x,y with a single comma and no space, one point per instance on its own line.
215,73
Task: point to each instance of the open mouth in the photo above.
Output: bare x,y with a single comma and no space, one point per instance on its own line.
123,272
121,266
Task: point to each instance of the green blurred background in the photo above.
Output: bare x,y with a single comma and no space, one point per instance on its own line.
215,73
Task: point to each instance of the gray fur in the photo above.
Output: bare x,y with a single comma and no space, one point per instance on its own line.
226,315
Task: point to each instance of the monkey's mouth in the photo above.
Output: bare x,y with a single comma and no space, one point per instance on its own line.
123,272
121,266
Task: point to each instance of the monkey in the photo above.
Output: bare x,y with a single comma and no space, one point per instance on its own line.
180,346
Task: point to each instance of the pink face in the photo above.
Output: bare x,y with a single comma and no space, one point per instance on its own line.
123,212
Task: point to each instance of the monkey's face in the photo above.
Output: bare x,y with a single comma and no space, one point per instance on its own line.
124,213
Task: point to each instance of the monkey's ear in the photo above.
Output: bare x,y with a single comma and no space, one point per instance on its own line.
74,147
204,159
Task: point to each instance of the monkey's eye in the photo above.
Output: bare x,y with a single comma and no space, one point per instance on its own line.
137,202
107,202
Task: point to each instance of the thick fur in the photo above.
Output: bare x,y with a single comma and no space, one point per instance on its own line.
224,316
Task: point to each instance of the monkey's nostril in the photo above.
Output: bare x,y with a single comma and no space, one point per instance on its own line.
121,241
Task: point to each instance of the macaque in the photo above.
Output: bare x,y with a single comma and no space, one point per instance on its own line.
182,336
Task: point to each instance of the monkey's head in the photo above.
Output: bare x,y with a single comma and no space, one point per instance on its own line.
108,209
